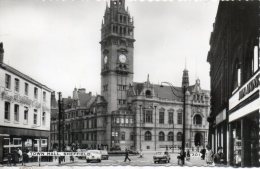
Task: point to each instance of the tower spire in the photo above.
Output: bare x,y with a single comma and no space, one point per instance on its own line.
185,78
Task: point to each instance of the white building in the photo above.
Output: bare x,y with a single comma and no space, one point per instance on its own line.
25,111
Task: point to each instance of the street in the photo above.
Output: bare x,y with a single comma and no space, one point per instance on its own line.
147,160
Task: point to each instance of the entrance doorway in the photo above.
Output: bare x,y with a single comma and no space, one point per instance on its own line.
198,139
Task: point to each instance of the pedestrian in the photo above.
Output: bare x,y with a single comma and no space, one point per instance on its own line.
203,152
218,158
141,153
15,157
188,155
127,155
9,158
209,156
20,155
181,158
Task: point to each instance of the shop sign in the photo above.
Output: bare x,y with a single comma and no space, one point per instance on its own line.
221,116
254,83
20,99
246,90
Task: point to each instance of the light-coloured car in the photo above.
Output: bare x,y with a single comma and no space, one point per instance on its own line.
93,155
104,154
161,156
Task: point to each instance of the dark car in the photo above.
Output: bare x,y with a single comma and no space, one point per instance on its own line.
161,157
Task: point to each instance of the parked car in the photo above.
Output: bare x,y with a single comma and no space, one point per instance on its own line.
161,156
82,151
104,154
93,155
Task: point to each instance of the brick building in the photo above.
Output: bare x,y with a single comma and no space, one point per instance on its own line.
234,72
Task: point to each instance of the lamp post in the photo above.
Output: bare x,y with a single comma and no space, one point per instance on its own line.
59,125
184,112
140,130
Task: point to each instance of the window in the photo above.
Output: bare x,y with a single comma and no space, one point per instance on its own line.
170,120
161,117
44,96
123,136
35,92
256,59
161,136
170,136
148,116
16,112
105,87
179,136
148,94
7,81
43,118
132,136
148,136
25,115
26,89
197,119
179,118
35,117
7,111
16,84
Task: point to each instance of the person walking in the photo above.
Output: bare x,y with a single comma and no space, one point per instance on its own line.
188,155
209,156
9,158
20,155
203,152
218,158
127,155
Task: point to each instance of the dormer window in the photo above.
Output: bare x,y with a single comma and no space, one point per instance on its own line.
148,93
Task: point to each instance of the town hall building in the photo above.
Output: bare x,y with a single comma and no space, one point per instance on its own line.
128,114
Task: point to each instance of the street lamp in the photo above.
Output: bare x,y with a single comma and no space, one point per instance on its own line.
184,112
140,130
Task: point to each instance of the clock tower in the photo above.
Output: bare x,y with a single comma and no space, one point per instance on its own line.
117,46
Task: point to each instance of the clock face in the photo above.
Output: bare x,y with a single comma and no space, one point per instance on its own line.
122,58
105,59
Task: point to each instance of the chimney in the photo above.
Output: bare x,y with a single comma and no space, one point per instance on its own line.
1,53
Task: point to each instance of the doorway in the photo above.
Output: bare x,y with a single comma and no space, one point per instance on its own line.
198,139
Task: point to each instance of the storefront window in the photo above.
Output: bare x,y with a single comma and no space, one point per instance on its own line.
245,141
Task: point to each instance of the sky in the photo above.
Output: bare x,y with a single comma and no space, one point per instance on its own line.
56,42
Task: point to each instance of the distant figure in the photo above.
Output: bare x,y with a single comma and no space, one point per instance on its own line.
126,155
141,154
209,156
203,152
181,158
188,155
218,158
20,155
15,157
9,158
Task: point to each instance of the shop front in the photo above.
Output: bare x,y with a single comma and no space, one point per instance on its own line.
244,108
24,139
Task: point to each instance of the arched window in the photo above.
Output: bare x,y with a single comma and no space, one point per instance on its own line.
197,119
147,136
170,136
161,136
123,135
179,136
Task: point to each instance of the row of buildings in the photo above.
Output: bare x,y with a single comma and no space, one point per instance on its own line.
234,72
25,106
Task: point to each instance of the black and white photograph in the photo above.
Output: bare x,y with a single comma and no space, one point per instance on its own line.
129,83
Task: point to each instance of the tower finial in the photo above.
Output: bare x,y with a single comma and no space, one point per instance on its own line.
148,80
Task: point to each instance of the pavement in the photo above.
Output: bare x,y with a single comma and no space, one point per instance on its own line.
147,160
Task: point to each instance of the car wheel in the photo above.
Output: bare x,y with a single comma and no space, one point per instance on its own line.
99,160
154,162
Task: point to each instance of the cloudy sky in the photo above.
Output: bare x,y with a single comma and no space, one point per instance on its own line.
56,42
